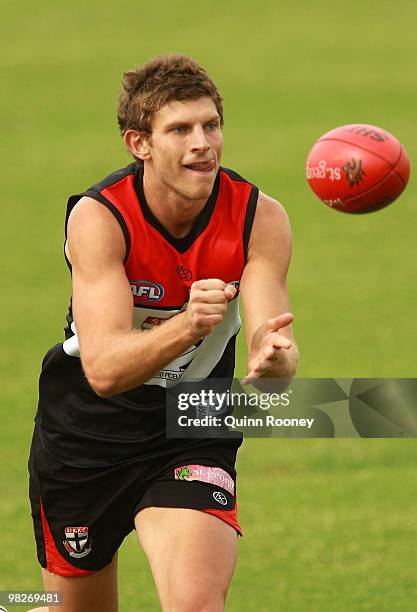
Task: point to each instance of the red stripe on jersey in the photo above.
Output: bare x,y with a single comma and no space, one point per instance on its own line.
55,562
228,516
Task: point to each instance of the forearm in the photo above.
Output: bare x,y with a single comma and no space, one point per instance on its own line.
128,359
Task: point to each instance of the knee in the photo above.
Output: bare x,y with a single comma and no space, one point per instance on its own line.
197,600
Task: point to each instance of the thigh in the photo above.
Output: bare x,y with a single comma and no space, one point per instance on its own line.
80,516
95,592
192,555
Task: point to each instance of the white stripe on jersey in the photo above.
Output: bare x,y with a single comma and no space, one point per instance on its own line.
195,363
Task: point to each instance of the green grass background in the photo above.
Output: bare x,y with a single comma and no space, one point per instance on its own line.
328,523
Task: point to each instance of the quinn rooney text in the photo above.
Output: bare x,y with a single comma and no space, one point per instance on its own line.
233,422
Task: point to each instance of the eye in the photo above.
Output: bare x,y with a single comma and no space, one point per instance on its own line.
180,129
212,125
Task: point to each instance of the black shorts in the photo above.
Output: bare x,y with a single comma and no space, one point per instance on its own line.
82,515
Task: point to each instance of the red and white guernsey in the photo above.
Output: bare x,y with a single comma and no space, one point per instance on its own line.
161,270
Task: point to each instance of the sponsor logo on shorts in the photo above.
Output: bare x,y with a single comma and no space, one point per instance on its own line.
212,475
183,473
77,542
220,498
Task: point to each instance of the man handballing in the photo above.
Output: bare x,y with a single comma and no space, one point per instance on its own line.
159,253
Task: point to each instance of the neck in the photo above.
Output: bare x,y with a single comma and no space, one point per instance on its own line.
175,211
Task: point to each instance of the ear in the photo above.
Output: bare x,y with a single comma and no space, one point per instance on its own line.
138,144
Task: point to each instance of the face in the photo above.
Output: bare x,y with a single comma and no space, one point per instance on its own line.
184,150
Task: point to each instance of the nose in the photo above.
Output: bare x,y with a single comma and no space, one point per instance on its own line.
199,140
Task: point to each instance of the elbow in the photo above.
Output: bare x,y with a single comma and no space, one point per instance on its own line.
104,387
102,383
111,382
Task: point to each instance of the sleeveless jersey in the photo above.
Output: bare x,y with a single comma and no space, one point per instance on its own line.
76,425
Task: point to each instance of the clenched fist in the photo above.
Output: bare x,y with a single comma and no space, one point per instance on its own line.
208,304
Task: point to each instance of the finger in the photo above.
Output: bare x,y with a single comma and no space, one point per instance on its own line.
205,284
211,296
263,365
280,321
249,377
265,361
204,309
213,319
230,292
206,323
271,352
278,341
256,371
253,374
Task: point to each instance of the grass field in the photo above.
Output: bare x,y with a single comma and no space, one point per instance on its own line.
328,523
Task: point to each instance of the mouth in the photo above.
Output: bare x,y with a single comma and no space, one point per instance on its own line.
202,167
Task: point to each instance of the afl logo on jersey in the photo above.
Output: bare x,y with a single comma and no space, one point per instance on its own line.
146,291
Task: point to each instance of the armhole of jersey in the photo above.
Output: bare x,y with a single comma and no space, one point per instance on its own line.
249,217
112,208
67,261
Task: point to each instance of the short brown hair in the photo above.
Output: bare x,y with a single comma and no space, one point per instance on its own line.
161,80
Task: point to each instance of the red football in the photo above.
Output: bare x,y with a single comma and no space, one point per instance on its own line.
358,168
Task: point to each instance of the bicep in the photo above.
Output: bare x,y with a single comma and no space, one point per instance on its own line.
264,280
101,296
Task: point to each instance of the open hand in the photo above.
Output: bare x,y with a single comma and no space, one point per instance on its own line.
267,343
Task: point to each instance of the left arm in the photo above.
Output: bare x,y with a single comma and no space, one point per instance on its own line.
272,352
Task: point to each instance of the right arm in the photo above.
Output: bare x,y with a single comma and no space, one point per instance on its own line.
115,357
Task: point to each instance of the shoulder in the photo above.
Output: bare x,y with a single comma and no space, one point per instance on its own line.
269,209
233,175
271,231
92,216
239,183
92,228
96,190
114,177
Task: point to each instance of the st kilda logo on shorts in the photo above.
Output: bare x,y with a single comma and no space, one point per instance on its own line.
146,291
77,542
